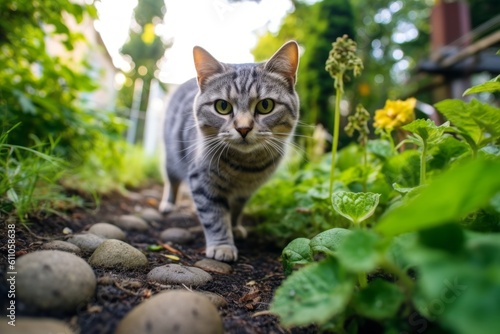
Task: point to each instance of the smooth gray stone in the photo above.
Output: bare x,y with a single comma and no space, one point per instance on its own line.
150,214
131,223
26,325
178,274
53,280
107,231
87,242
214,266
174,311
177,235
63,246
216,299
117,254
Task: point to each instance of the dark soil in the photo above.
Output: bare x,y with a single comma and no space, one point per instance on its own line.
248,289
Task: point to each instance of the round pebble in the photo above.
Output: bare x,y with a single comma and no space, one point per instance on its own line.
107,231
178,274
150,214
87,242
52,280
181,219
216,299
177,235
176,311
62,246
131,223
117,254
26,325
214,266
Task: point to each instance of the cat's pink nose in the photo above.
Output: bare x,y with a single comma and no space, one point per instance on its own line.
244,131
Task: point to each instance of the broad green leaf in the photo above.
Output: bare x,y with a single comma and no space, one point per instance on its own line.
448,237
403,168
487,117
319,192
379,300
451,196
360,251
328,241
462,291
489,86
402,190
380,147
458,113
296,252
355,206
313,294
427,130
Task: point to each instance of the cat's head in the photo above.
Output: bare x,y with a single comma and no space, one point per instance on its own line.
247,105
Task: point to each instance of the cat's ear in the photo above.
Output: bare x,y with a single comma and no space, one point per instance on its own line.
206,65
285,61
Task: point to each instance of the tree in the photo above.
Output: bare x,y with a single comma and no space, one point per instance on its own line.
41,91
145,49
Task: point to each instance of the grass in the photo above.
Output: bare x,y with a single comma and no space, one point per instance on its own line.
33,180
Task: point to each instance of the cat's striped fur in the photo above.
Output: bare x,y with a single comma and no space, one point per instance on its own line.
221,138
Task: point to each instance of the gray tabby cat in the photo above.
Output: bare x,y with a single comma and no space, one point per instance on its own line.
225,133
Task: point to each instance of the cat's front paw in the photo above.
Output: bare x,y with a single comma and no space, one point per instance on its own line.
226,253
166,207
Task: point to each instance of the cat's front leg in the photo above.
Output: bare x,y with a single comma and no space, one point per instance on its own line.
214,214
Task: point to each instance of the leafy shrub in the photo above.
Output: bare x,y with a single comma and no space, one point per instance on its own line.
417,249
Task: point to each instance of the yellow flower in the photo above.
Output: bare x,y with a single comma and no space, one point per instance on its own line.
395,114
148,36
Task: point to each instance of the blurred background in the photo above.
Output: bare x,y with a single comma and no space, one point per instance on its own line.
85,83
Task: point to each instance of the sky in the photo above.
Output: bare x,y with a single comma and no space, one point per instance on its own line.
227,31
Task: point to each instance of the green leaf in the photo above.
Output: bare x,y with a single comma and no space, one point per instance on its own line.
314,294
355,206
462,291
449,237
296,252
489,86
451,196
155,248
328,241
487,117
380,147
379,300
427,130
459,115
360,251
403,190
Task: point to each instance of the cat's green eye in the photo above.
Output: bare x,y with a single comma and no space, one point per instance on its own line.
265,106
223,107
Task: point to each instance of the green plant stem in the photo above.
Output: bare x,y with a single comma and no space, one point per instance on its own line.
339,89
365,167
423,163
362,280
406,281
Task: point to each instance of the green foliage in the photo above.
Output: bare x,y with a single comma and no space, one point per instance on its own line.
490,87
421,258
355,206
58,139
447,199
314,294
145,49
40,90
28,179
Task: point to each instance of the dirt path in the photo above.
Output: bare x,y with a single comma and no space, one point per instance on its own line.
248,289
